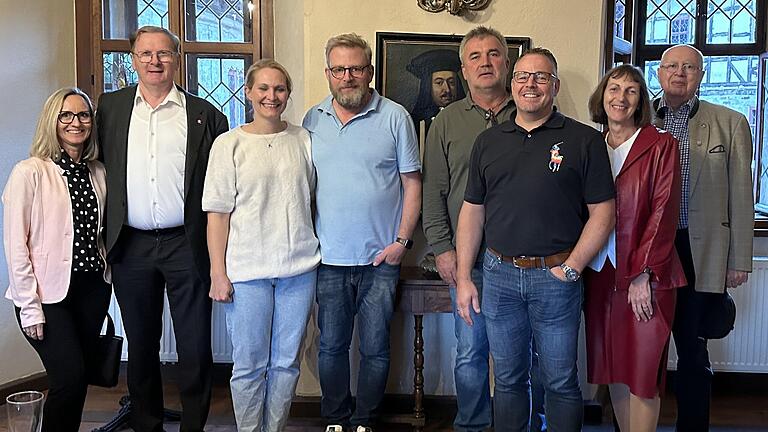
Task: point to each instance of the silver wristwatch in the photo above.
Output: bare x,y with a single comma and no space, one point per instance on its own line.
571,275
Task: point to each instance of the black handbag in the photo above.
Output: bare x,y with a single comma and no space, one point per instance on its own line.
719,318
105,358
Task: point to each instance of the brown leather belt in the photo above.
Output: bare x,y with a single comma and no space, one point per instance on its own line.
530,262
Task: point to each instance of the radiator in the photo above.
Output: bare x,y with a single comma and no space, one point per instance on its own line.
746,348
220,343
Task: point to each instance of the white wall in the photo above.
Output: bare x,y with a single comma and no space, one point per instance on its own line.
37,45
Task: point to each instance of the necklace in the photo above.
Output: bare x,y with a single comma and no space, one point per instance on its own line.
270,141
490,114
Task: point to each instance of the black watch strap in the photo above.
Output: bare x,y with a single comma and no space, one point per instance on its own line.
407,243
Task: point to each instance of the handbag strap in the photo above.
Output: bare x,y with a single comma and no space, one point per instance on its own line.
110,327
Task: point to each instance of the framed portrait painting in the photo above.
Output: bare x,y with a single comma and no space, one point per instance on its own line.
422,72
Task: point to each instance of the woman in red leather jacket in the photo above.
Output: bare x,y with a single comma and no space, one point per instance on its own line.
630,296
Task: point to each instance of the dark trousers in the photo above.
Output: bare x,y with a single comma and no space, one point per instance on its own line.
148,264
70,328
693,380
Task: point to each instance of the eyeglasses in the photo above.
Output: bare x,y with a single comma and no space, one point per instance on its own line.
67,117
685,68
164,56
521,77
338,72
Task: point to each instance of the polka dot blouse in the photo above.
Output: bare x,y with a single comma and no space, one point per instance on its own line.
85,215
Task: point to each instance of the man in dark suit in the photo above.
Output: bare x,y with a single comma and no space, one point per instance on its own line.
155,140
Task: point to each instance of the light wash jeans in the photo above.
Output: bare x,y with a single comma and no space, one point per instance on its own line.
266,322
521,305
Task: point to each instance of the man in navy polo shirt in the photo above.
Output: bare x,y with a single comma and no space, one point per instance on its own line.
368,200
540,188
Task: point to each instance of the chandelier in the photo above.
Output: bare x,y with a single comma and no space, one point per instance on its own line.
455,7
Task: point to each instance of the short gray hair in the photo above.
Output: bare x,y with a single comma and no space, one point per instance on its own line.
154,29
481,32
541,51
347,40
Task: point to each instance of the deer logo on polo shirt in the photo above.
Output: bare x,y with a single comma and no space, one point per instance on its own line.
555,158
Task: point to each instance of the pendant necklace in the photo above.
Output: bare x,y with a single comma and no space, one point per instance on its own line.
270,141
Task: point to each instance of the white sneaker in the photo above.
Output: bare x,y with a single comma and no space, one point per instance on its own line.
363,429
334,428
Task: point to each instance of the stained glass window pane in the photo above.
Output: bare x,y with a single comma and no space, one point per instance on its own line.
620,18
218,21
122,17
670,22
731,21
118,71
221,81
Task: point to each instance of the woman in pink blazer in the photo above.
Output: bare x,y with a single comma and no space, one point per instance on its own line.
53,205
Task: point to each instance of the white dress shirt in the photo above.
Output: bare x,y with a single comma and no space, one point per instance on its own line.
157,148
617,156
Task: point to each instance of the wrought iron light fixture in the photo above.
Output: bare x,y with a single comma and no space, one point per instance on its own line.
455,7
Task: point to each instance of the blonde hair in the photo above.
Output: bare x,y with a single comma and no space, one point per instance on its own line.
45,144
250,74
347,40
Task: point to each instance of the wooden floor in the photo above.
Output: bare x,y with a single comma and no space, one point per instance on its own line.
740,404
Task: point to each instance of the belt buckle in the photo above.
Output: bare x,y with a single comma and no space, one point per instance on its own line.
514,261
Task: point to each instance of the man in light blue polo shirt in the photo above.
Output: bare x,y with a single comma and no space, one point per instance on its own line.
368,198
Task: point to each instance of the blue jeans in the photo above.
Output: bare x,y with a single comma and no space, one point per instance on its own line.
521,304
473,394
266,322
342,293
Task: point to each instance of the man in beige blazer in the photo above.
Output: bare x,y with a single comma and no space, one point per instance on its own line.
714,237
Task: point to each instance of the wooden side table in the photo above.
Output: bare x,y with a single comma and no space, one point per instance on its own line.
418,295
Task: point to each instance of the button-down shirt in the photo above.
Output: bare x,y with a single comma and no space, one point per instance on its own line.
446,166
157,146
676,123
85,214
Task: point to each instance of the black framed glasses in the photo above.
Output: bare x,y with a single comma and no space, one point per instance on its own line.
164,56
521,77
67,117
338,72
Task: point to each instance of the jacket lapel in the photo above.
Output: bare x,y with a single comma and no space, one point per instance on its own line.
698,134
644,141
122,112
196,123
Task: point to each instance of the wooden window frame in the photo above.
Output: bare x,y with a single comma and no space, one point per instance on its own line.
90,44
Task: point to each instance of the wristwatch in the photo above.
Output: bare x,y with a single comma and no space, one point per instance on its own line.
407,243
571,275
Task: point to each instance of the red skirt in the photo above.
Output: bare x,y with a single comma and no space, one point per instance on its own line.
621,349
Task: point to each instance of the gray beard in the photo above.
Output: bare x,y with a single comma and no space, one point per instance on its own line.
350,101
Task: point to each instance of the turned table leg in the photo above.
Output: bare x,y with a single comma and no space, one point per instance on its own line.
418,368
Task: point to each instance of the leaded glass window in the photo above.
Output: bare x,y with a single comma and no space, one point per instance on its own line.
221,81
731,21
218,21
670,22
118,71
